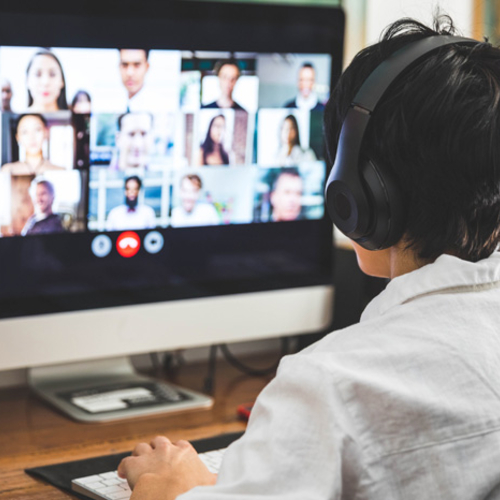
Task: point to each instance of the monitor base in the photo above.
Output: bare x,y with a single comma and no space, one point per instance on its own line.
109,389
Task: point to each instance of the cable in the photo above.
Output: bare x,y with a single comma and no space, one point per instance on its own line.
255,372
209,383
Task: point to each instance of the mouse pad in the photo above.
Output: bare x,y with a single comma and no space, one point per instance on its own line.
60,475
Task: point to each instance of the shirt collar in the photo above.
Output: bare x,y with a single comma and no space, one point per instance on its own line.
447,273
308,103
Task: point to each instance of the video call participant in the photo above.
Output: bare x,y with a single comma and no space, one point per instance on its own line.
212,151
44,220
290,152
191,211
286,196
306,98
134,141
134,66
6,94
404,404
46,84
31,132
81,103
131,215
228,73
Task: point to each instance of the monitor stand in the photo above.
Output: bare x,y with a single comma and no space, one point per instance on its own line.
109,389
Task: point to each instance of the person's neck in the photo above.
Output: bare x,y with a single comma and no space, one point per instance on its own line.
47,108
225,101
34,160
403,261
132,94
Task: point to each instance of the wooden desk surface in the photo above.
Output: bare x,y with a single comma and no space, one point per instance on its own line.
33,434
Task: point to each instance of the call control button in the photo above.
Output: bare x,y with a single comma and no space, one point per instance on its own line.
128,244
153,242
101,245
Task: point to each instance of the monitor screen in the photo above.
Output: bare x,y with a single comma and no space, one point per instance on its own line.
180,159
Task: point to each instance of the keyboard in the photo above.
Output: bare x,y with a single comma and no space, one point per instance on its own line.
108,486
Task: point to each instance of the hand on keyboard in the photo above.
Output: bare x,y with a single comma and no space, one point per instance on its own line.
170,468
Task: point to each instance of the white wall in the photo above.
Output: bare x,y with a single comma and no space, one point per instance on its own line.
380,13
366,19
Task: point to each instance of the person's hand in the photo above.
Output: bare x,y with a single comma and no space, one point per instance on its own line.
164,469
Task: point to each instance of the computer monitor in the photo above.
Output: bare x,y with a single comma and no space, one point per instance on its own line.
162,178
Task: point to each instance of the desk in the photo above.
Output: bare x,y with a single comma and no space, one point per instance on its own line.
33,434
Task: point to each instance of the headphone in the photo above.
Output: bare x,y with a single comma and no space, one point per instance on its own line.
362,196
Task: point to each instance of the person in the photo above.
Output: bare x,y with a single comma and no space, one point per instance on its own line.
306,98
6,94
405,403
286,196
81,103
290,151
191,212
134,66
44,220
228,73
46,84
134,141
131,215
212,151
31,132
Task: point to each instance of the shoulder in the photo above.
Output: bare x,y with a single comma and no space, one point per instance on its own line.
15,168
238,107
119,210
211,105
291,104
147,209
50,166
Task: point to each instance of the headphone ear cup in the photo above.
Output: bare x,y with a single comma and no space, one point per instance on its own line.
387,210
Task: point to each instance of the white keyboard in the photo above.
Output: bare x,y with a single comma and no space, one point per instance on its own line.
108,486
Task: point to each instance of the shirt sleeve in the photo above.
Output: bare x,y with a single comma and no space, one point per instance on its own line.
294,445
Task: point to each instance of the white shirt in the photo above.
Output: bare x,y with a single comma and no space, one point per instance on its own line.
202,214
307,104
121,218
296,156
403,405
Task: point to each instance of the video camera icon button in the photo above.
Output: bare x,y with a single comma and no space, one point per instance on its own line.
128,244
101,245
153,242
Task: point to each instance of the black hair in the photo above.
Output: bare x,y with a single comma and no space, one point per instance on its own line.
61,100
292,171
208,145
292,119
307,65
133,178
146,51
36,115
123,115
76,98
437,130
223,62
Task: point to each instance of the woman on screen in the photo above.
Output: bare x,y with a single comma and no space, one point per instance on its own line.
31,133
81,103
46,83
290,152
212,150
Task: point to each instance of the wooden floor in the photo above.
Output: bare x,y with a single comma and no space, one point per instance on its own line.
33,434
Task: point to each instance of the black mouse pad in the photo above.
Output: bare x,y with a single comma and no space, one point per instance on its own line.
61,475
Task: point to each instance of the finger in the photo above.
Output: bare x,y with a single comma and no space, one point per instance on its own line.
123,467
141,449
160,442
184,444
